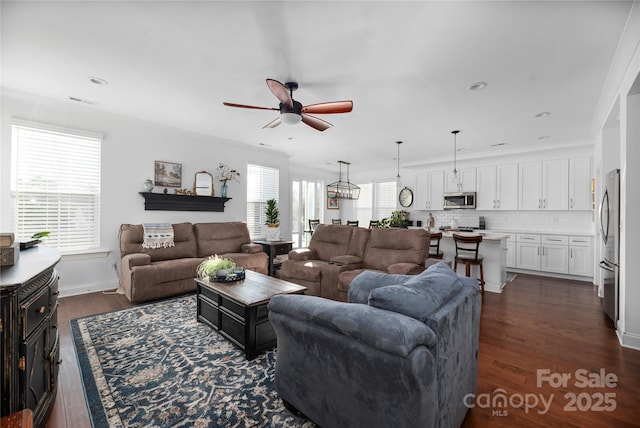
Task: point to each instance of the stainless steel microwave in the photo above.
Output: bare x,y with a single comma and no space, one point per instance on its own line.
460,200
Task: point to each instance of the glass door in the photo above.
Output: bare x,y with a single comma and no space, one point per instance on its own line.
306,201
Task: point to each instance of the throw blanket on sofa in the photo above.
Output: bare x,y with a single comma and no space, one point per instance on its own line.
157,235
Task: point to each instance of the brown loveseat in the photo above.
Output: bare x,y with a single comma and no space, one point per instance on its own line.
148,274
336,254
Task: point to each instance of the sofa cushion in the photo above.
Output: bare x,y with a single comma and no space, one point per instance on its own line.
389,246
330,240
421,295
132,236
220,238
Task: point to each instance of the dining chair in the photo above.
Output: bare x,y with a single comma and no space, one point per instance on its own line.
434,246
313,224
353,222
336,221
373,224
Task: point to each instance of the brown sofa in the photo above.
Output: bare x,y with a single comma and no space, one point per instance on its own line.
148,274
336,251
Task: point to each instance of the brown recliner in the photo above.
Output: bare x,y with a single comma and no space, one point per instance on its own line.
398,251
333,249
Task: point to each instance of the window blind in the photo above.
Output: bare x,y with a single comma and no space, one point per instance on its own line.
384,199
56,187
262,184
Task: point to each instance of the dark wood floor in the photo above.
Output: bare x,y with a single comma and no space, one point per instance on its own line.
537,323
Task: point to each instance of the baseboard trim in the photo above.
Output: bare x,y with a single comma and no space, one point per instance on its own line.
75,290
628,340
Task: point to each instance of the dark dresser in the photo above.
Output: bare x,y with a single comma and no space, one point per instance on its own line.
29,339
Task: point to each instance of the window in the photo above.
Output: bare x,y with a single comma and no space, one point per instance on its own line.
384,199
377,201
262,185
55,185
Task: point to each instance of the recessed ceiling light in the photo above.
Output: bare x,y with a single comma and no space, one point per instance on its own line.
461,150
544,137
543,114
83,101
498,144
477,86
264,145
98,81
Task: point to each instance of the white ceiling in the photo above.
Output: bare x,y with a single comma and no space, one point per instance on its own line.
407,67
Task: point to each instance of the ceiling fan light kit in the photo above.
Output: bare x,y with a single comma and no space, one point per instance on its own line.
293,112
344,189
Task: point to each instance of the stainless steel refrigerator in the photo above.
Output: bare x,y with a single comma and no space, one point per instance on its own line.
610,232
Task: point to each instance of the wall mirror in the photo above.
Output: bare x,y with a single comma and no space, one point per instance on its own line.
203,184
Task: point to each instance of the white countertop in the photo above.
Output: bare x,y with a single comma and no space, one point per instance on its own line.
489,235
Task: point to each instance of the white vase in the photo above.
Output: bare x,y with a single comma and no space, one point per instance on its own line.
273,233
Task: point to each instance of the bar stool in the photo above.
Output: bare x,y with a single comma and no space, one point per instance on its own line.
373,224
336,221
353,222
467,252
434,246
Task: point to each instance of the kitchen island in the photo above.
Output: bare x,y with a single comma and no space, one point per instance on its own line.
494,250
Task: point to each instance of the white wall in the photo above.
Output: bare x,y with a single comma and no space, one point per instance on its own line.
619,108
129,150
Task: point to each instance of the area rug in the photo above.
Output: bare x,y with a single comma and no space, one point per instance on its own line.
156,366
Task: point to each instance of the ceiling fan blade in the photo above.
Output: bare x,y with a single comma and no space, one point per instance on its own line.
329,108
280,91
275,122
246,106
316,123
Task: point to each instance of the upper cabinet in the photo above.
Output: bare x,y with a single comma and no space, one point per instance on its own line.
544,185
497,187
429,190
580,184
467,181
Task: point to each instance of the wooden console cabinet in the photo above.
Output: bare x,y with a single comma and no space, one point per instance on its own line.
29,339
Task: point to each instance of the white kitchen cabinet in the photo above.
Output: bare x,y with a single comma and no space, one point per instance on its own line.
497,187
430,190
528,251
511,252
580,184
543,185
554,254
467,181
581,256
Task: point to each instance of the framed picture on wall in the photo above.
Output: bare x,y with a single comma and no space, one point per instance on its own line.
168,174
333,203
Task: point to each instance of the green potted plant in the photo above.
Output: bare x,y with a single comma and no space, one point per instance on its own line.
272,214
215,266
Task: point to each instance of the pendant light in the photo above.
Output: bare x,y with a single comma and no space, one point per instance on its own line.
398,158
455,169
344,190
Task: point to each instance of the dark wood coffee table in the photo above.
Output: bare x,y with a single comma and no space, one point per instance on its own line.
238,310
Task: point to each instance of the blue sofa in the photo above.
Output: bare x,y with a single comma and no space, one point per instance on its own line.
403,352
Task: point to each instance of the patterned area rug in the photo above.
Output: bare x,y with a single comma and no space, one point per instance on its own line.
156,366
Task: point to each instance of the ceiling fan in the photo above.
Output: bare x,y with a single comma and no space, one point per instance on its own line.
292,111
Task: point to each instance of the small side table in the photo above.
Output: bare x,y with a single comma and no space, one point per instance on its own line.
274,249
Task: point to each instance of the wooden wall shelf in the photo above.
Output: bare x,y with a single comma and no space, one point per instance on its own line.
173,202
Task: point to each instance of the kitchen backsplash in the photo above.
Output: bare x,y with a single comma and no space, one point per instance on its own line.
533,221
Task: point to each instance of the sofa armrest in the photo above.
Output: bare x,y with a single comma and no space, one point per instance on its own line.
135,259
384,330
405,269
251,248
303,254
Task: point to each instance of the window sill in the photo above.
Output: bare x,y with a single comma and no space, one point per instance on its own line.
85,254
